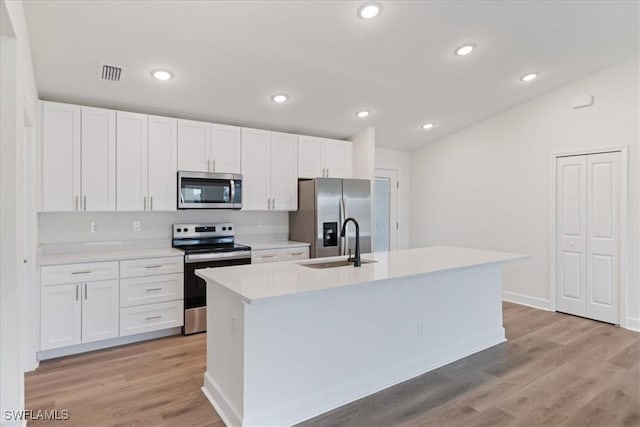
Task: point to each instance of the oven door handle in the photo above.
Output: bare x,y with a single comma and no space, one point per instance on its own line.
191,258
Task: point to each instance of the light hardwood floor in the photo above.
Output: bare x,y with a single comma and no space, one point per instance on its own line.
555,369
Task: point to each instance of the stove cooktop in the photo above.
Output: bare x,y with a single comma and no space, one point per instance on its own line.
198,249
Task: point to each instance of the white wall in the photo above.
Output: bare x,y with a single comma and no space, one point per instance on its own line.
489,186
19,98
400,161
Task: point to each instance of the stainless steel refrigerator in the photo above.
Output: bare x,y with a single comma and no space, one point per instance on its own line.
323,205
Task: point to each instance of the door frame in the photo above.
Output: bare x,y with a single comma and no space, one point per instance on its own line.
624,224
392,175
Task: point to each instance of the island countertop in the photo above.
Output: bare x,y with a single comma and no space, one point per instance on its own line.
260,282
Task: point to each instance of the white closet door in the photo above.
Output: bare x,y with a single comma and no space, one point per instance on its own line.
603,237
571,218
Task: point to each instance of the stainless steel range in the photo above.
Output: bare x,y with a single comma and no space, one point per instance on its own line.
205,246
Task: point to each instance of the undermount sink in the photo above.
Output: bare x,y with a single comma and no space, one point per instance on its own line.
333,264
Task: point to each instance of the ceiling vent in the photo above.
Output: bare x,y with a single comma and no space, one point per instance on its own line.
111,73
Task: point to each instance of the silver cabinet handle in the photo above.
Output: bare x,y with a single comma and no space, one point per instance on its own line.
85,202
85,291
76,203
269,203
208,169
153,318
144,202
273,203
151,202
323,172
153,266
153,289
214,165
296,254
77,286
267,256
81,272
327,172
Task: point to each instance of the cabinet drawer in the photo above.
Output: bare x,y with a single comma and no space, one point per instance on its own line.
259,257
151,266
74,273
151,317
151,289
295,253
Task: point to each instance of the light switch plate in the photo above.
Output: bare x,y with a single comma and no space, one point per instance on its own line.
137,226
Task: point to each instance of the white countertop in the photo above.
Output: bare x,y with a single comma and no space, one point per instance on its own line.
275,245
113,255
257,282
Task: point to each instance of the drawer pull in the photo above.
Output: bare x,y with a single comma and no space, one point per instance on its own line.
153,289
296,254
153,266
81,272
153,318
267,256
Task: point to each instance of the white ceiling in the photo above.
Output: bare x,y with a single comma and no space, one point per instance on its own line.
230,57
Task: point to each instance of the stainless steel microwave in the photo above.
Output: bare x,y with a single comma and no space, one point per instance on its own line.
206,190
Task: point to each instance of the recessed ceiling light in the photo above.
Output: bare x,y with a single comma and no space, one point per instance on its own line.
529,77
362,114
279,98
162,74
465,49
370,9
427,126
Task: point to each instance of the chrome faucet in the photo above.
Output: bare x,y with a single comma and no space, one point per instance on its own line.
356,259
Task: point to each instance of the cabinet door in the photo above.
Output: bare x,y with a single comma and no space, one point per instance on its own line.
60,157
255,169
337,158
194,146
284,171
310,157
100,310
163,163
225,147
60,316
131,143
98,166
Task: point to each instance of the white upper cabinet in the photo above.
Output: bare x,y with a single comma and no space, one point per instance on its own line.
269,170
60,157
255,170
132,161
225,149
147,162
194,146
283,166
322,157
78,158
338,158
206,147
163,163
98,165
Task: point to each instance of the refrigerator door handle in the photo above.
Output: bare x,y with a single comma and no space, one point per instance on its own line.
342,217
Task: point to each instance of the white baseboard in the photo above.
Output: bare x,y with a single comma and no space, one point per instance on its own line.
633,323
529,301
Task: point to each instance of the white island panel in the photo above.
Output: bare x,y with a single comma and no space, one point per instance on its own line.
312,340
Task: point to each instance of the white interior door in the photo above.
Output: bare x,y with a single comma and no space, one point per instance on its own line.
571,241
386,210
588,235
603,237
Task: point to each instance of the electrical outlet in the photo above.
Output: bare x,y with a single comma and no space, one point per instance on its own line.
92,227
137,226
419,329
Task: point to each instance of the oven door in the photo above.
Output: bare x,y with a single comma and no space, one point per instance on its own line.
202,190
195,291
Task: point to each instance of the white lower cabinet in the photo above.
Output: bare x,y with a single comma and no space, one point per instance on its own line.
151,317
261,256
83,303
77,313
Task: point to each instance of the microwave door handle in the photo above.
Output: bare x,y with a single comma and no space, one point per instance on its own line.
233,191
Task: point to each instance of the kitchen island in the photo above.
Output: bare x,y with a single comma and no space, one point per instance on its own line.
286,342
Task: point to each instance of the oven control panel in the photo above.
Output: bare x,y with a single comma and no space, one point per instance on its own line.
193,231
